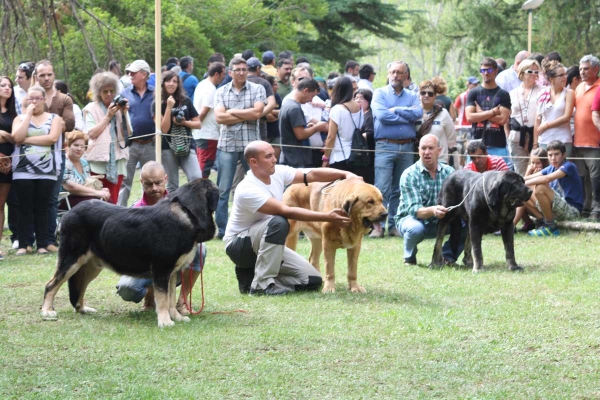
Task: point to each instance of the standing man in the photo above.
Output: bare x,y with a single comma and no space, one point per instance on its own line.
188,80
419,211
254,76
284,70
238,107
62,105
268,59
204,101
255,236
395,111
488,110
142,149
367,76
351,69
586,141
294,128
509,78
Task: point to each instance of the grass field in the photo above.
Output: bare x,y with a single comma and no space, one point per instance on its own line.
417,333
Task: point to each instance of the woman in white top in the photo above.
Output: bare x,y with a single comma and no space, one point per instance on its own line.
344,117
555,108
523,112
436,119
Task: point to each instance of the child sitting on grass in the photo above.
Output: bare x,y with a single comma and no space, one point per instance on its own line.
558,192
538,160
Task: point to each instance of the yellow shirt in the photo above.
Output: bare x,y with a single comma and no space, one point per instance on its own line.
269,69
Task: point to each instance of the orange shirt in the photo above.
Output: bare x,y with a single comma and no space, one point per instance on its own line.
586,133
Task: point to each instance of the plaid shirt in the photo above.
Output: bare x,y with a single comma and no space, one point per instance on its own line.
418,189
235,138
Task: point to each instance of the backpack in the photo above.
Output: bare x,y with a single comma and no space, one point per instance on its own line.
359,150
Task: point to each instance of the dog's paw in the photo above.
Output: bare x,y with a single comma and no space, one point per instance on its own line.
86,310
356,288
179,318
477,270
515,268
49,315
166,323
329,287
435,266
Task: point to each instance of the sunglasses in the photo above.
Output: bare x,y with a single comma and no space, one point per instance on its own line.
530,71
24,67
558,76
430,94
487,70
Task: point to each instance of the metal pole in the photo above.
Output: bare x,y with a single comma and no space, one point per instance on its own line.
530,12
158,74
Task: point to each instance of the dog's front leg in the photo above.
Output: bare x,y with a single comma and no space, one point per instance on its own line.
476,235
173,313
329,253
353,254
161,296
508,237
468,251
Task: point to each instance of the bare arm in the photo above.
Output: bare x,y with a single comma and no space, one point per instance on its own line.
302,133
323,175
270,106
275,207
539,179
566,117
19,128
225,118
80,190
204,112
6,137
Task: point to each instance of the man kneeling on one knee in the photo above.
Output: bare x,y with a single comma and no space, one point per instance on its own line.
418,213
258,226
154,181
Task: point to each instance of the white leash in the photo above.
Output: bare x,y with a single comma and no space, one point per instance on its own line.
323,191
448,209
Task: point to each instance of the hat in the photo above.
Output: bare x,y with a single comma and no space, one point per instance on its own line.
320,79
472,80
268,56
253,63
138,65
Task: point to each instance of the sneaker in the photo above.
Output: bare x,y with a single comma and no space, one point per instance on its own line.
544,231
393,232
271,290
15,245
376,233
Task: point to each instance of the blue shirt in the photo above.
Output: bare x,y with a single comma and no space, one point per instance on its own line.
399,124
190,84
569,187
140,111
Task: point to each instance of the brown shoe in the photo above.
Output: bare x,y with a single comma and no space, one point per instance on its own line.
52,248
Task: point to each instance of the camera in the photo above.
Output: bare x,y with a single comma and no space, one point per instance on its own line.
119,101
180,117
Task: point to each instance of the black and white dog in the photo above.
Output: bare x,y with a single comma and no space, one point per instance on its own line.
490,200
151,242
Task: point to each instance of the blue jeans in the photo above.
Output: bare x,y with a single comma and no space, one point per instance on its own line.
502,152
172,162
227,166
135,289
415,231
389,165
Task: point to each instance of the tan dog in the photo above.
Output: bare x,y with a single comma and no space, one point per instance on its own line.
361,201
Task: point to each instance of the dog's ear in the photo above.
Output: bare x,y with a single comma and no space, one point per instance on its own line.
212,195
493,196
348,205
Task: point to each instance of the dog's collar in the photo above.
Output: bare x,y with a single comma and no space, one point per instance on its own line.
487,201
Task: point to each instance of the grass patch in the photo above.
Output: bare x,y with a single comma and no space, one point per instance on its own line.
417,333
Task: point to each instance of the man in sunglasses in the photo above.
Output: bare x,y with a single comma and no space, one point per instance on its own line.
488,110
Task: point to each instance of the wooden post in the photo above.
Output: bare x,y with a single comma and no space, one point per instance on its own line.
530,12
158,75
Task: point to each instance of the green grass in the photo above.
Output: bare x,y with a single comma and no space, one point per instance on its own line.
417,333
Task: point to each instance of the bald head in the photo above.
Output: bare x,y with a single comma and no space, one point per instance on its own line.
522,55
152,168
255,148
430,139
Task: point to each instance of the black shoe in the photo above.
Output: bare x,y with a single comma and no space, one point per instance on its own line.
271,290
410,261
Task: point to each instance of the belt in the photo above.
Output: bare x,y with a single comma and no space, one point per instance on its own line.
396,141
143,141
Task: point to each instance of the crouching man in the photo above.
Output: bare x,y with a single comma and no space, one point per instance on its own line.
154,181
258,225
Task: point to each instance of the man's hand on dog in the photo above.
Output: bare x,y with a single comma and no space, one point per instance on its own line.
339,218
439,211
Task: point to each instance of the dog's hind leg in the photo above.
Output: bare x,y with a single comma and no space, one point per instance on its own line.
508,237
161,296
78,284
437,259
353,254
66,266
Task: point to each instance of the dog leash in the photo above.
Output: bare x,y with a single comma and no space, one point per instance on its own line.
448,209
329,186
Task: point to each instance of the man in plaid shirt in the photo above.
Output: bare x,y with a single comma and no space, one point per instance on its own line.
239,106
418,212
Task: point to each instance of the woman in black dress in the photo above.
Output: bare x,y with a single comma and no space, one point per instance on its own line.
8,113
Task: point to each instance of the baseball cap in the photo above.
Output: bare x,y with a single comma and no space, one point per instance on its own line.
138,65
253,62
268,56
472,80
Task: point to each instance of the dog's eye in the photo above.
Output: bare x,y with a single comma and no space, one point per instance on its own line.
371,201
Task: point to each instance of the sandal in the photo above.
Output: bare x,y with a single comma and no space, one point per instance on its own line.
21,252
42,251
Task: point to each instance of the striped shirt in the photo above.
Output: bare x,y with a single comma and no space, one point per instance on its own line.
494,163
418,189
235,138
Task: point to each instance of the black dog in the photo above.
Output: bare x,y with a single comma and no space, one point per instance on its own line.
151,242
490,200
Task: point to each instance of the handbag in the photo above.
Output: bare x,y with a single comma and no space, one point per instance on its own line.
359,154
5,164
179,141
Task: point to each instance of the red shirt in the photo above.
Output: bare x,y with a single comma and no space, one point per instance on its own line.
143,202
494,163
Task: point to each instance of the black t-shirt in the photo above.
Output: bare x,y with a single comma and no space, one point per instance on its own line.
488,99
189,112
6,125
444,101
290,116
273,127
262,123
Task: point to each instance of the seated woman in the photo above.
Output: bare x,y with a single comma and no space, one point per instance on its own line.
77,170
